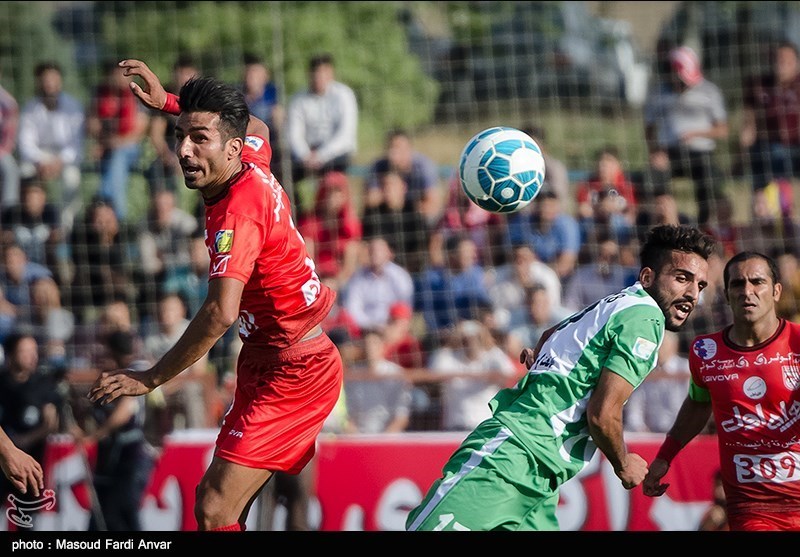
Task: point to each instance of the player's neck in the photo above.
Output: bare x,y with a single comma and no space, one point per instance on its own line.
753,334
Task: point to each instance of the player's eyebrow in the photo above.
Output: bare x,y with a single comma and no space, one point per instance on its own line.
690,274
192,129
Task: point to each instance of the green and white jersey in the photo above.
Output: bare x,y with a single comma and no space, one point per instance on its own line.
546,410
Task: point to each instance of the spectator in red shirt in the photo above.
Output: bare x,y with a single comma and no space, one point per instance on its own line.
118,125
333,230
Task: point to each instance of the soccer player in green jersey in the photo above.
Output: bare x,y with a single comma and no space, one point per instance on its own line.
507,473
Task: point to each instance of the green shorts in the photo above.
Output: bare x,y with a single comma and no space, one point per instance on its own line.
492,482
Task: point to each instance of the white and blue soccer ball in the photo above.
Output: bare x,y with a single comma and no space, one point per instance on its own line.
501,169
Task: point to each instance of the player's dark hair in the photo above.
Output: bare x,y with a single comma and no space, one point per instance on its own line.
207,94
747,255
662,240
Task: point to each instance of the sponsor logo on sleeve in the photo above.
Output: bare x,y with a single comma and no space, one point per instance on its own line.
253,142
643,348
223,241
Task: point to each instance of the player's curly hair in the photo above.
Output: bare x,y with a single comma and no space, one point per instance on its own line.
207,94
663,239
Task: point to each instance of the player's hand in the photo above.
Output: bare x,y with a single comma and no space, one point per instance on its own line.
527,357
22,471
121,382
633,471
652,486
151,92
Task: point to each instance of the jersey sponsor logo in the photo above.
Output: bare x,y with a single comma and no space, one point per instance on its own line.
791,377
247,323
254,142
220,265
236,433
705,348
644,348
720,377
754,388
759,419
223,241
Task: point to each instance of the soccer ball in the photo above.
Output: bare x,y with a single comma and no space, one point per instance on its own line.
501,169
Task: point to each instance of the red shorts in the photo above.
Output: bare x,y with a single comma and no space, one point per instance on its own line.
281,402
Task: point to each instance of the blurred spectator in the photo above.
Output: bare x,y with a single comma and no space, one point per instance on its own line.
452,291
463,217
397,219
608,181
600,275
788,307
539,313
654,404
17,276
554,235
124,458
34,225
419,172
685,116
767,227
662,208
30,402
507,283
8,317
332,230
473,368
724,229
164,171
51,139
163,241
556,176
190,280
321,124
9,168
261,96
117,123
87,350
190,397
401,345
378,395
770,130
51,323
102,250
376,286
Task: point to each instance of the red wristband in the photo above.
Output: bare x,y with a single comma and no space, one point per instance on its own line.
669,449
171,105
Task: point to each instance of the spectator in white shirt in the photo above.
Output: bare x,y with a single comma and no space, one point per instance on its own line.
322,122
474,368
9,169
376,286
51,138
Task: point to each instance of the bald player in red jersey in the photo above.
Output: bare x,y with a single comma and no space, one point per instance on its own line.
748,375
289,373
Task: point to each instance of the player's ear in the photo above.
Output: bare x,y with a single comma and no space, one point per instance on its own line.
234,148
777,289
647,276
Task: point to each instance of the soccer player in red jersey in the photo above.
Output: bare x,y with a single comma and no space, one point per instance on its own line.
289,373
748,375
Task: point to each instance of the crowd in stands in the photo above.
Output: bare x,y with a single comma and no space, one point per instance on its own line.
436,297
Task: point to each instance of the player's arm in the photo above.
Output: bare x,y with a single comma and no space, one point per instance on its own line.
218,312
19,467
604,417
690,421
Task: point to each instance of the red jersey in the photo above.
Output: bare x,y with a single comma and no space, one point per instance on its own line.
755,396
250,236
